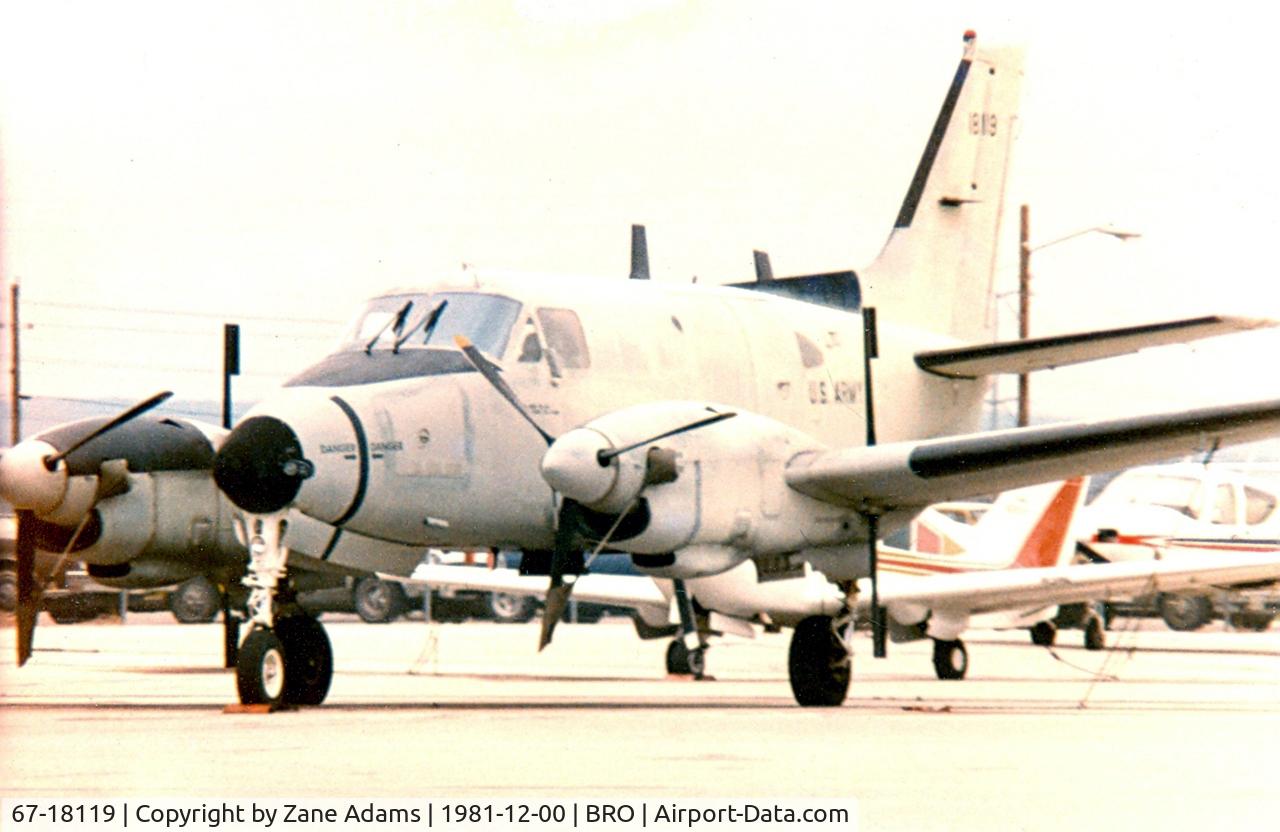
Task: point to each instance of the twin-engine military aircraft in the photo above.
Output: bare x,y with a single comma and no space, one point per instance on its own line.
694,427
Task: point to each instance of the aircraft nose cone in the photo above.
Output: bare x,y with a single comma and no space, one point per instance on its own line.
260,466
26,482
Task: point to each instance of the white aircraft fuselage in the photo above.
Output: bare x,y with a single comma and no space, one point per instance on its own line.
411,446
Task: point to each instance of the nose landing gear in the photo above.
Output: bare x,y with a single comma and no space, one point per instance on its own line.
286,659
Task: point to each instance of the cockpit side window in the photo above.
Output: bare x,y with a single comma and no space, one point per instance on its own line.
565,337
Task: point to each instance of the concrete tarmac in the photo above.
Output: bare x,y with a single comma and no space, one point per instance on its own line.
1161,731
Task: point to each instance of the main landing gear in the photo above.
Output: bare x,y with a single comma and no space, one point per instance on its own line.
820,661
286,659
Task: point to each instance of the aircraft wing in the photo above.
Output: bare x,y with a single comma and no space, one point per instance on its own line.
1058,351
972,593
635,591
910,475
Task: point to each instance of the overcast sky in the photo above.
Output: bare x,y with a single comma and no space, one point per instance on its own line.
276,162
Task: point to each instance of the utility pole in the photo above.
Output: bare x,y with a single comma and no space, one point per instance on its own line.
15,386
1024,311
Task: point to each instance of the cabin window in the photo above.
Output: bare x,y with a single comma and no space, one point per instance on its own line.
1224,505
564,336
810,355
1258,505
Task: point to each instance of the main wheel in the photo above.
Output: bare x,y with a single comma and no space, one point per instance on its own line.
1044,633
308,659
195,601
1095,635
378,601
260,668
508,608
8,590
818,663
681,661
1258,621
1185,613
950,659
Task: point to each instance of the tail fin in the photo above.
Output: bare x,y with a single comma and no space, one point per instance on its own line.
1035,522
936,270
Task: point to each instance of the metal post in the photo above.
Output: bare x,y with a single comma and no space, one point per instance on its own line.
230,367
15,386
1024,312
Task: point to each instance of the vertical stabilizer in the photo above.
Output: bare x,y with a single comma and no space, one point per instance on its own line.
936,272
1031,527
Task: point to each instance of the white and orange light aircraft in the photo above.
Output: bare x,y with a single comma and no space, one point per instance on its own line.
695,427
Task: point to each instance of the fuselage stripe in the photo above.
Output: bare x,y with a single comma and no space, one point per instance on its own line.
362,446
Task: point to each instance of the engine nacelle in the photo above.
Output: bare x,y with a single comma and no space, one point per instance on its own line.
711,497
168,515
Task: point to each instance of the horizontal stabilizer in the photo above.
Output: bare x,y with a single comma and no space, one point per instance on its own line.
1061,350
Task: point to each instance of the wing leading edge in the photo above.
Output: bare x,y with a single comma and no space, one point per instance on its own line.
910,475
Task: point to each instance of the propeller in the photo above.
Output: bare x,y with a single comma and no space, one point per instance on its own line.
571,522
113,479
51,462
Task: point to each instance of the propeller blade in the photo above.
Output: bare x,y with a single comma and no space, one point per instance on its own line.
28,592
605,457
566,546
132,413
493,375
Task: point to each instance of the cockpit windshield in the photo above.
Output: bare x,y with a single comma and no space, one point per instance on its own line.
413,321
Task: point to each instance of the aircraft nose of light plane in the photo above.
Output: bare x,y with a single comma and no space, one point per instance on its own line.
260,466
27,482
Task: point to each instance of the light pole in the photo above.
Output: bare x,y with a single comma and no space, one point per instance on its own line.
1024,291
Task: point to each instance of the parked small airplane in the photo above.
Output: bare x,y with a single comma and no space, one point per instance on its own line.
695,427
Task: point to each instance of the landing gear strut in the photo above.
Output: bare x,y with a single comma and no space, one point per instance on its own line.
286,659
820,662
683,660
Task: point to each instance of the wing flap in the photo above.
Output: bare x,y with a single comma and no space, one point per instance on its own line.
909,475
1061,350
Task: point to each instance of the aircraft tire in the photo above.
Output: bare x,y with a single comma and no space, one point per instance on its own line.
1251,620
818,664
950,659
308,659
1185,613
8,590
683,662
195,601
507,608
1095,635
260,668
1044,633
377,601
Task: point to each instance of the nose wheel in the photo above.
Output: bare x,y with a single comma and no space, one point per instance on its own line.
290,664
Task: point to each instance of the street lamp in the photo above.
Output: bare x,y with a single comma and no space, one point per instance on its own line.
1024,291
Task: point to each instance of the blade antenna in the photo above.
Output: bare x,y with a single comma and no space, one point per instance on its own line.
639,253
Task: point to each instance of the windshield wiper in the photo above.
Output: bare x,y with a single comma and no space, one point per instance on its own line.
430,320
396,322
